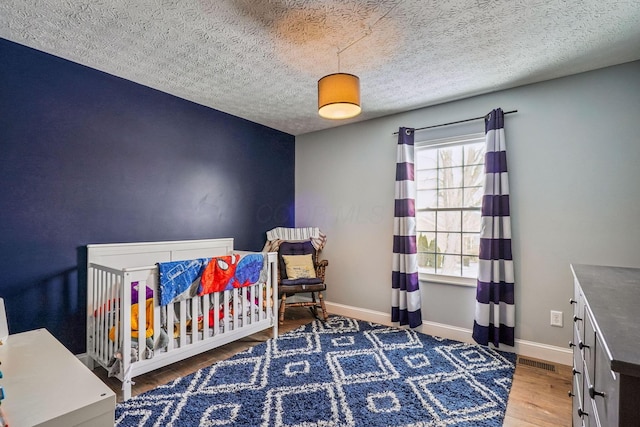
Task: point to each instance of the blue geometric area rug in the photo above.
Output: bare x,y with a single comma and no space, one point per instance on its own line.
344,372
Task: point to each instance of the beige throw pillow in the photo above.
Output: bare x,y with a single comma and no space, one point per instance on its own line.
299,266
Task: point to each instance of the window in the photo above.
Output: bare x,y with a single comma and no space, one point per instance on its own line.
449,188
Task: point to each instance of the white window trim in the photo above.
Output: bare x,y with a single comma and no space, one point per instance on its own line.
451,141
448,280
457,140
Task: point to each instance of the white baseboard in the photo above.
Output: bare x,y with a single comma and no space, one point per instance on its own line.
525,348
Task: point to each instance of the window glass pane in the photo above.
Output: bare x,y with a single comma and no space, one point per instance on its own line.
450,198
474,154
451,177
426,199
471,221
427,179
430,242
449,221
474,176
422,241
426,221
450,156
426,242
427,263
471,244
449,243
427,158
451,265
473,197
470,266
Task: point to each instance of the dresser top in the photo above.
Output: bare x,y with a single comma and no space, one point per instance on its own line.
613,296
45,384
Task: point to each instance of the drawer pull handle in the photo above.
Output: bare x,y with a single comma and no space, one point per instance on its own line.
571,344
593,393
576,318
575,371
571,393
582,345
581,413
572,301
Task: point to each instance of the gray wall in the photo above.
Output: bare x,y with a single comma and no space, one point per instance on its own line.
574,164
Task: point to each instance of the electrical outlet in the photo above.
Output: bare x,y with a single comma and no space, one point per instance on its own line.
556,318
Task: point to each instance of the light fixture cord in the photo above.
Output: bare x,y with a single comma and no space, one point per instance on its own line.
366,34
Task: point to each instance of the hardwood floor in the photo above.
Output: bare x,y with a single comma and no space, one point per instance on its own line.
538,396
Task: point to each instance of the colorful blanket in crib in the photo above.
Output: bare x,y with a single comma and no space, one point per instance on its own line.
233,271
181,280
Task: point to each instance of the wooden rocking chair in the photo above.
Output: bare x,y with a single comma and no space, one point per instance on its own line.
300,271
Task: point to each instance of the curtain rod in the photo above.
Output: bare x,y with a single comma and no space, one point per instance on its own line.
454,123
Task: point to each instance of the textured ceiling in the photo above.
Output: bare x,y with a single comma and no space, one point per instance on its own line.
261,60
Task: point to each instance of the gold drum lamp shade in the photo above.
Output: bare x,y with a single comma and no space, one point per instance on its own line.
339,96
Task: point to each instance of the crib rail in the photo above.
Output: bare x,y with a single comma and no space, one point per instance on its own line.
106,300
166,334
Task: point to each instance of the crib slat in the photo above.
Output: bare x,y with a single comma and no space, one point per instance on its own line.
142,316
151,282
96,319
112,314
216,313
243,316
183,323
261,301
124,313
195,318
252,303
99,319
227,311
206,327
170,325
102,292
234,304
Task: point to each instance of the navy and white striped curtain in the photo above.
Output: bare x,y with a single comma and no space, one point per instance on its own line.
495,309
405,294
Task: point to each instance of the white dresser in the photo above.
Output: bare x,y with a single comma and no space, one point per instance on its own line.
46,385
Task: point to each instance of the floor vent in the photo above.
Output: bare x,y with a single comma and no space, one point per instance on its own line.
536,364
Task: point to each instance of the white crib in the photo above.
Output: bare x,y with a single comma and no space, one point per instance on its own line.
112,268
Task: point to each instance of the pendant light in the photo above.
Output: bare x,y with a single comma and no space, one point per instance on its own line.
339,96
339,93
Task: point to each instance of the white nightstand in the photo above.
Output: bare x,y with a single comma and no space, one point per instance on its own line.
46,385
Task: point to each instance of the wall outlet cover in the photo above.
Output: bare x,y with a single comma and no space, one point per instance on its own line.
556,318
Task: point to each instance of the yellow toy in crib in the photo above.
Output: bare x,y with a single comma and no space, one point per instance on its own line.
134,321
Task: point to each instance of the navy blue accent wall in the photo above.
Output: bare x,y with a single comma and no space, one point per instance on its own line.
87,157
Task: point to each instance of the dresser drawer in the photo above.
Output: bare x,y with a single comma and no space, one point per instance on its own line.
577,390
578,310
605,388
577,403
590,417
587,345
578,369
